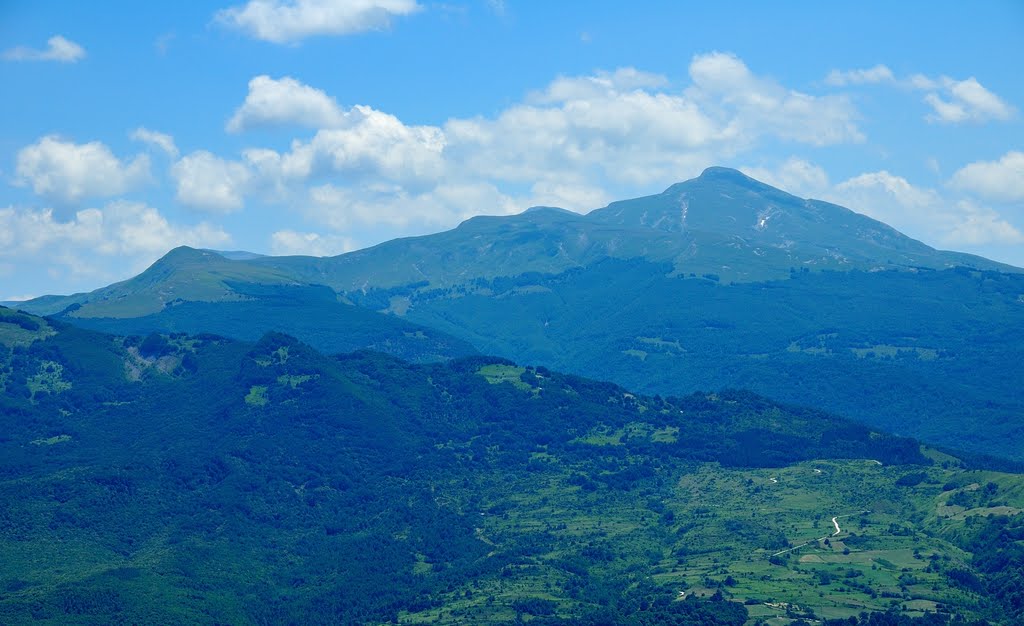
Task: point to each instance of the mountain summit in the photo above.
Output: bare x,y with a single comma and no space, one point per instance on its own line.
722,223
750,228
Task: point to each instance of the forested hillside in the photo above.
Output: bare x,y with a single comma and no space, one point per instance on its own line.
165,479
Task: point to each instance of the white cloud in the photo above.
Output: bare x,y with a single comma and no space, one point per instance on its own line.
207,182
1001,180
897,188
159,140
99,243
981,225
342,208
565,88
636,136
966,101
631,127
573,195
872,75
924,213
372,146
286,101
570,144
57,49
67,172
952,101
290,242
795,175
751,106
289,21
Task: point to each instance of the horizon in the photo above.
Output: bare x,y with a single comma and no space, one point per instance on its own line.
406,118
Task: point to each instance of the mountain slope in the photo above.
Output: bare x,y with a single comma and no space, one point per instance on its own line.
183,274
723,223
933,354
311,313
726,209
720,281
196,479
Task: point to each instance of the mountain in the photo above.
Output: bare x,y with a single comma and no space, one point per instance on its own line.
753,230
202,291
236,255
312,313
197,479
722,222
719,282
183,274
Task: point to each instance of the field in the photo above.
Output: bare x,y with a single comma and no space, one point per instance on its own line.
762,537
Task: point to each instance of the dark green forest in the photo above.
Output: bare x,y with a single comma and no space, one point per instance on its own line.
312,313
931,354
176,478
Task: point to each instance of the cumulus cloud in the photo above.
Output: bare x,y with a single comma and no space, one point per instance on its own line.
577,196
63,171
795,175
635,136
372,146
750,106
952,101
575,143
57,49
631,127
871,75
966,101
290,242
981,225
129,235
343,208
565,88
283,102
895,187
207,182
161,141
924,213
1001,180
289,21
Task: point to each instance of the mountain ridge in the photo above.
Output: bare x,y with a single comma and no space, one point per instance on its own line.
723,222
739,294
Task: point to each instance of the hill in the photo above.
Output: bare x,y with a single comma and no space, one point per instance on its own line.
198,479
932,354
311,313
718,282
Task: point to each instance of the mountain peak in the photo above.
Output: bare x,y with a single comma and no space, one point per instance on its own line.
717,171
186,253
236,255
548,209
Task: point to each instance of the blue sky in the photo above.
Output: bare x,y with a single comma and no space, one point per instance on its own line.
321,126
